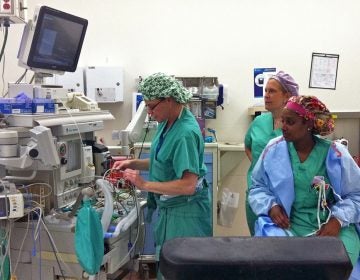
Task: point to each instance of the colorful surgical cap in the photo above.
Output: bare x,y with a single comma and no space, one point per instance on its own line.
287,82
160,85
311,108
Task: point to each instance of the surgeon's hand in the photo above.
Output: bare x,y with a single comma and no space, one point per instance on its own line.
134,177
331,228
279,217
122,164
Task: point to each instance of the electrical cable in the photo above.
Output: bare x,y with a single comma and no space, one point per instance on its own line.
11,222
32,79
39,240
56,249
22,243
55,253
74,121
2,76
18,81
2,53
143,141
36,237
4,42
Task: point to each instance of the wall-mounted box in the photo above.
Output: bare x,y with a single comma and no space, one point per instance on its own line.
72,81
15,89
104,84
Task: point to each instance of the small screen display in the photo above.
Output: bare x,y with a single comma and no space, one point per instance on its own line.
57,40
4,207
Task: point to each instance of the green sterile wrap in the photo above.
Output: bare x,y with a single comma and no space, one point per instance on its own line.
89,239
4,259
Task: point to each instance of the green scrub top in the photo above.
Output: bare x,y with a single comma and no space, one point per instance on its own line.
178,149
304,209
172,152
303,218
258,135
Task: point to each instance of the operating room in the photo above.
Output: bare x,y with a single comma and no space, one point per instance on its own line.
57,156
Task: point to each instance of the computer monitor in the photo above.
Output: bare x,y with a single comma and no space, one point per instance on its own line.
52,41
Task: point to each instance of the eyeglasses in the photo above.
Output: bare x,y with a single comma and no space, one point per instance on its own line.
153,107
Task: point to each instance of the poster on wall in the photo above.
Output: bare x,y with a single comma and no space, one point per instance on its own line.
261,75
323,70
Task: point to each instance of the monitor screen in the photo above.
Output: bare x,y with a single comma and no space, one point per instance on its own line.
53,41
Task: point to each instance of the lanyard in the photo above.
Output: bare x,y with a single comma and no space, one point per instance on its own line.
161,141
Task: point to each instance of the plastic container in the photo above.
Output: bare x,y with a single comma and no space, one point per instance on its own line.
210,93
43,105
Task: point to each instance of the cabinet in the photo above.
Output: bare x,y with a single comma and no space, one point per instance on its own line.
210,160
232,174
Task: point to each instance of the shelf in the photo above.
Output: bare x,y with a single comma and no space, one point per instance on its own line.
346,114
343,114
229,156
231,146
57,119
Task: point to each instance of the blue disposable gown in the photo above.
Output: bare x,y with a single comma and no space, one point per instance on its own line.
260,132
274,174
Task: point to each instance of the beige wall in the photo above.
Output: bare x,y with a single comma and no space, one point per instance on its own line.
226,39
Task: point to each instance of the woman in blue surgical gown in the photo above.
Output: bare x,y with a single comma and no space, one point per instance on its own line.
305,185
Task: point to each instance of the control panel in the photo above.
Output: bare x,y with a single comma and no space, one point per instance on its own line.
11,205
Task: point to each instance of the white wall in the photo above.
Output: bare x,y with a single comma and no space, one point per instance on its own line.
225,38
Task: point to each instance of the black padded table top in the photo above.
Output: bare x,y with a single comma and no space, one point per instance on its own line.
255,258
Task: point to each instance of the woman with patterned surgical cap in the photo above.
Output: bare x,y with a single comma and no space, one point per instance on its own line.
304,185
278,90
176,181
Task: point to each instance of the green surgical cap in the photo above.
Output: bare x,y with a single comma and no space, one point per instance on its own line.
160,85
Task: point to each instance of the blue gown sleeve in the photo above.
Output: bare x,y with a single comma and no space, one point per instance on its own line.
261,197
344,176
272,179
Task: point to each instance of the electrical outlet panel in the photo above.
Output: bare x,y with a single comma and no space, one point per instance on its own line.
12,11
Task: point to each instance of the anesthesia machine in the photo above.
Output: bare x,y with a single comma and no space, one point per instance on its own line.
50,173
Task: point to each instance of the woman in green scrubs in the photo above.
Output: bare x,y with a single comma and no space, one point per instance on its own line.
267,126
176,183
305,213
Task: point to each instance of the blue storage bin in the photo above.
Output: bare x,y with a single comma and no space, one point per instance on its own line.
43,105
21,107
5,105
